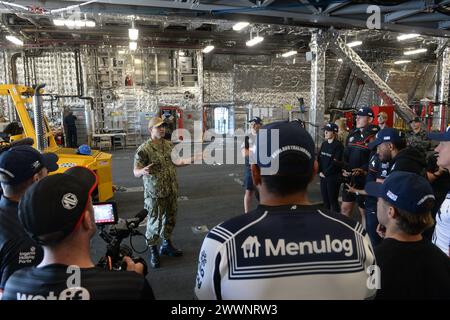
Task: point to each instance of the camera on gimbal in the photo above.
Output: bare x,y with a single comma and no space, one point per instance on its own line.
113,231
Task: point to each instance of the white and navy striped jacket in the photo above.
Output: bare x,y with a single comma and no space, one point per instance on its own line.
285,252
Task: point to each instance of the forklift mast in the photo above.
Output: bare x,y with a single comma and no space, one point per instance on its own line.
99,162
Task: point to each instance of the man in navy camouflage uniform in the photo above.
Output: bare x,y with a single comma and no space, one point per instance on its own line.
417,137
153,163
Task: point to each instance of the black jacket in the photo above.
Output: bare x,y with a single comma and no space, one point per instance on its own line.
330,154
17,249
409,160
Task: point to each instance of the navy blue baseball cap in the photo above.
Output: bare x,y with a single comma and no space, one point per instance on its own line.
445,136
331,127
365,112
20,163
404,190
256,120
52,208
386,135
284,148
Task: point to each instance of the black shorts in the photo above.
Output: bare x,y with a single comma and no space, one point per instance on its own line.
351,197
248,180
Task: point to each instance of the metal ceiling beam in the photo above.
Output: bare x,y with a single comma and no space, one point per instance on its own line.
267,3
335,6
425,17
317,20
394,16
309,6
444,24
362,8
338,46
230,13
167,33
405,12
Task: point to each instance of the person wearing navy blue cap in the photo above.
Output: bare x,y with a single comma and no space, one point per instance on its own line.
247,148
20,167
390,144
356,159
330,157
441,235
288,248
57,212
410,266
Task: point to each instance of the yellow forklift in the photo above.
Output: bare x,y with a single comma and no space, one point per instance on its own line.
99,162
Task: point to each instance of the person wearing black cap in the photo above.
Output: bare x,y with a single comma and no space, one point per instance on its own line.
330,157
57,213
441,235
417,137
287,248
391,146
20,167
248,148
356,159
410,266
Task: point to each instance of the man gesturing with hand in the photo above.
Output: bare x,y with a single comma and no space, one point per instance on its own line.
154,164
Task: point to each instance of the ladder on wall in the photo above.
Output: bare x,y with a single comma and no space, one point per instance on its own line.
132,123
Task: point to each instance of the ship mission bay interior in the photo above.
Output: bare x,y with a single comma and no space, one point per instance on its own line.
224,150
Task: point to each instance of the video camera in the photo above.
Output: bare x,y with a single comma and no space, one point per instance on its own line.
106,215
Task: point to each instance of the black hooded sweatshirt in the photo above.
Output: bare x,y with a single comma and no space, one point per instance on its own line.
409,160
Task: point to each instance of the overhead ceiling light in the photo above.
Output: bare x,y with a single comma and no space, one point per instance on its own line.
340,60
90,24
208,49
354,44
408,53
69,23
402,61
15,40
240,25
137,61
133,34
58,22
133,45
254,41
121,52
408,36
289,53
80,23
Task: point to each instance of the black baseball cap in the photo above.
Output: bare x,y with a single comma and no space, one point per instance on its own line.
331,127
404,190
53,207
284,148
256,120
20,163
